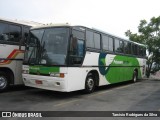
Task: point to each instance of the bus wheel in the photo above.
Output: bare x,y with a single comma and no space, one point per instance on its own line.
134,77
89,84
4,82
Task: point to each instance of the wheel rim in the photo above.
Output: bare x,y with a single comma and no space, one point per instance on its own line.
90,83
135,78
3,82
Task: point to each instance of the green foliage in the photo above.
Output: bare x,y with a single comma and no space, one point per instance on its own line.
148,34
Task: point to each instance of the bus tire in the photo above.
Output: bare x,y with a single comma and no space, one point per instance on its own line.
135,77
4,81
90,84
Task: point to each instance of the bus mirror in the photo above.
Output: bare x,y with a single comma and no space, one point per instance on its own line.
43,61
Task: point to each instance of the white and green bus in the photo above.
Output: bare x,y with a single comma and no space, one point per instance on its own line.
69,58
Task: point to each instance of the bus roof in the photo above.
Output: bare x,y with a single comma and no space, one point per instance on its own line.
22,22
117,36
51,25
95,29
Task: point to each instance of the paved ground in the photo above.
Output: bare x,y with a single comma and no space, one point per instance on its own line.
141,96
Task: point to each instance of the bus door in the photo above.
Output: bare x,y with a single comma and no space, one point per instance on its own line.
76,53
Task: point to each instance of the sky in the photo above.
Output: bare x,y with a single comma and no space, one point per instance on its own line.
112,16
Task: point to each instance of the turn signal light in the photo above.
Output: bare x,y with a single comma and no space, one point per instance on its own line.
61,75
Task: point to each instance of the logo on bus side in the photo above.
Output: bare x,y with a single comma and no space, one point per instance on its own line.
102,64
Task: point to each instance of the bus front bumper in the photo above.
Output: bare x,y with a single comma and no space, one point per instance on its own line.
45,82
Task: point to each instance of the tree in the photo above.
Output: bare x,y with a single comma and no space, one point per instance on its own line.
148,34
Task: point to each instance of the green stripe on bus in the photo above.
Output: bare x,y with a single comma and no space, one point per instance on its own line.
120,73
43,69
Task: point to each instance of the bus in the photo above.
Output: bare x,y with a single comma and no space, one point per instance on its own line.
13,36
68,58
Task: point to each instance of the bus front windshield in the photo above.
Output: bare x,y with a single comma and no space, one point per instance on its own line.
48,46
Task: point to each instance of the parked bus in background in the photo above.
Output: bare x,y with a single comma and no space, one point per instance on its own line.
13,36
69,58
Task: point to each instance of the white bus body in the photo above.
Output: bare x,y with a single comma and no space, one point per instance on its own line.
54,65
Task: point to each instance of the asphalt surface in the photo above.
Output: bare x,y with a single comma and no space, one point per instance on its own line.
143,95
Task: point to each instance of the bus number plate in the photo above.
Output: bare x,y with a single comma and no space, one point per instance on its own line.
38,82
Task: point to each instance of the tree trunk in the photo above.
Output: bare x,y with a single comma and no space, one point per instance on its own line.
149,69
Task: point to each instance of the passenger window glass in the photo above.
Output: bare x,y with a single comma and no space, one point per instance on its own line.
129,48
78,34
134,49
76,51
15,33
144,52
80,47
116,45
126,48
110,44
89,38
93,40
77,48
96,41
121,46
140,51
105,42
4,34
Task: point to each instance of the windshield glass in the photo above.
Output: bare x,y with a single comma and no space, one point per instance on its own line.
48,46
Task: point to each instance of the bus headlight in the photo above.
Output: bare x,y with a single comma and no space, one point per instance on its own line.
61,75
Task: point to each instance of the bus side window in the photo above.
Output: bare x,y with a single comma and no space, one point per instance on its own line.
4,34
126,48
15,33
105,41
121,46
129,48
73,46
144,52
89,39
134,49
80,46
76,51
110,44
96,40
93,40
